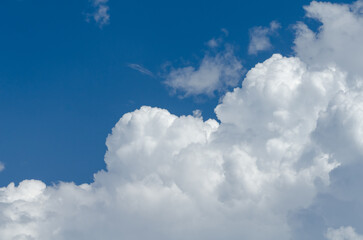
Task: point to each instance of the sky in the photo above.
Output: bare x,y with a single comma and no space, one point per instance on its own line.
181,120
66,80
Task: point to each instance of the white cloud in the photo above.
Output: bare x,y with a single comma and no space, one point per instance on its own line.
339,39
260,37
213,42
225,32
2,166
183,178
197,113
343,233
140,69
101,13
217,42
284,162
216,72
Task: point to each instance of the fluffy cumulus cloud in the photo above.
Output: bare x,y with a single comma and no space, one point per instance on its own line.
185,178
215,73
260,37
284,161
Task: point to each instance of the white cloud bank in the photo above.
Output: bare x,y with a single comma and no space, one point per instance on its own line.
284,162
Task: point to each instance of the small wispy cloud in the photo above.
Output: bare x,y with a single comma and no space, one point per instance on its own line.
217,41
141,69
213,43
101,13
260,37
217,71
225,31
2,166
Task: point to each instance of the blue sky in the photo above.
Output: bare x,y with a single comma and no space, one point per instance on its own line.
181,120
64,82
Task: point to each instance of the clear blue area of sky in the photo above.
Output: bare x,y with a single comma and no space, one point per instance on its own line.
64,82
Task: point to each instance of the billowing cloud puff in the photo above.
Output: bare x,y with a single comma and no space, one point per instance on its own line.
283,162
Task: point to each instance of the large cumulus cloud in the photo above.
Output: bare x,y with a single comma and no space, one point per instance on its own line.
283,162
